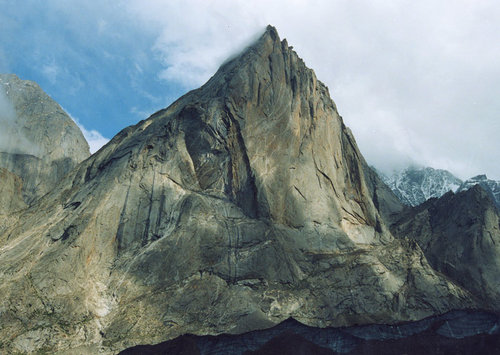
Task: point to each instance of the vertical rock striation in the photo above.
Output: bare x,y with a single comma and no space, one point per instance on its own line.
11,199
10,193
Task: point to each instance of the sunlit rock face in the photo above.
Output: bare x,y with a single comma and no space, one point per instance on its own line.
11,199
244,203
39,142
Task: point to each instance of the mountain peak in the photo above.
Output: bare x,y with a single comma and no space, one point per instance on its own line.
492,187
242,204
458,233
272,32
269,37
39,142
480,177
266,72
414,185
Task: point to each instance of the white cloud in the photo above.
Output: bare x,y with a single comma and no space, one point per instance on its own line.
195,37
95,139
51,71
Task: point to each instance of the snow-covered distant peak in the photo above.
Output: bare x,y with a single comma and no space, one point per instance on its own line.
415,185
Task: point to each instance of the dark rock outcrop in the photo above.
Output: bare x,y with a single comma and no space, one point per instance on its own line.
460,236
39,142
456,332
490,186
244,203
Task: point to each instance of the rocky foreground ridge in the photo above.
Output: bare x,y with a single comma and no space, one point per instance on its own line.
244,203
457,332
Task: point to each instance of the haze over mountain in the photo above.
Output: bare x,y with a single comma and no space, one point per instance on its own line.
39,142
242,204
414,186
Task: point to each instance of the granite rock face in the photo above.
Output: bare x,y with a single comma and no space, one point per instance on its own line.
460,236
11,198
10,192
244,203
39,142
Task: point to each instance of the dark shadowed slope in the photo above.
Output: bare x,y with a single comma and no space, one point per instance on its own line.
460,236
456,332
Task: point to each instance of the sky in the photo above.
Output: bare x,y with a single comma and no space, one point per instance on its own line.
418,82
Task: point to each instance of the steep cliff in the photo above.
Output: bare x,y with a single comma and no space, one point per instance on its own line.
39,142
242,204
